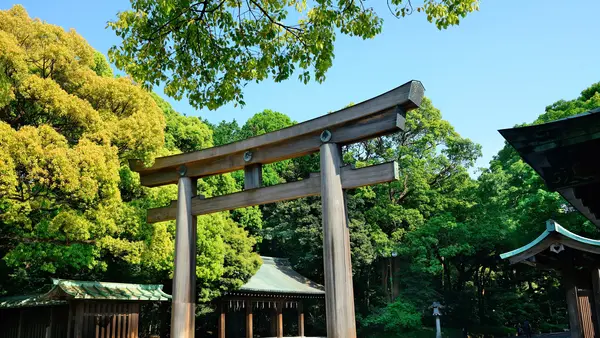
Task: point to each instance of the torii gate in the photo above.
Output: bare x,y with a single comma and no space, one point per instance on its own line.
381,115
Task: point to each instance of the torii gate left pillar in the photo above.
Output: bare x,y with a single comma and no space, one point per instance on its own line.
183,313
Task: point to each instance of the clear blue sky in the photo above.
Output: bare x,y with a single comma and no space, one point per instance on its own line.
502,66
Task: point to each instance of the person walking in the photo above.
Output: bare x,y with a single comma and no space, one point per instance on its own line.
527,328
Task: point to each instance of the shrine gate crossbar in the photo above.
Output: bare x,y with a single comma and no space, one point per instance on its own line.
381,115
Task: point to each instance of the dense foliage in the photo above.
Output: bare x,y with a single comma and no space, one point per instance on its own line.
69,205
209,50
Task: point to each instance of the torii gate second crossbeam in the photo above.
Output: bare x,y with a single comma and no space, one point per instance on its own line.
381,115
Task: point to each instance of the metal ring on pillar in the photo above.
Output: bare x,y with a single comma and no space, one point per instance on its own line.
248,156
325,136
182,170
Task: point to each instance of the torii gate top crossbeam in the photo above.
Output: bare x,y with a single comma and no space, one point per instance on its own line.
378,116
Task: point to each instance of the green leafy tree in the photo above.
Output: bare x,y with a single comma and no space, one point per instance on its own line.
70,207
65,130
208,50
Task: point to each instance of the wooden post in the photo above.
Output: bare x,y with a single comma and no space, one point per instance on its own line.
253,176
279,319
49,328
572,306
339,295
273,320
249,332
70,320
596,295
20,329
78,329
184,277
300,319
221,328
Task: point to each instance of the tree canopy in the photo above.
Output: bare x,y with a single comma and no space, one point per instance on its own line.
69,205
209,50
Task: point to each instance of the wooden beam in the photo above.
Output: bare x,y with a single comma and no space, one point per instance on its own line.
349,125
381,124
351,178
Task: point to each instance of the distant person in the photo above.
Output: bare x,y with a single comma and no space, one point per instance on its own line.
519,329
527,328
465,332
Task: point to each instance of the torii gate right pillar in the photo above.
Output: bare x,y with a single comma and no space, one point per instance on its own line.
339,295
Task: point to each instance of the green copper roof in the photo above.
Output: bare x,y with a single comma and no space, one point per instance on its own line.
277,276
27,301
103,290
554,233
64,289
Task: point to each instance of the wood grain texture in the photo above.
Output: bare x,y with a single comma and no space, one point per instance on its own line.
408,96
300,319
253,176
280,319
290,142
595,272
249,320
221,325
184,276
568,280
339,295
384,123
351,179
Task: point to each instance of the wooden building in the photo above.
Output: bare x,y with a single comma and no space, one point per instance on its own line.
78,309
577,259
276,289
563,152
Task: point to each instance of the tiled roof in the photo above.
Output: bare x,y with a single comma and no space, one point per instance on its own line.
64,289
277,276
554,233
104,290
27,301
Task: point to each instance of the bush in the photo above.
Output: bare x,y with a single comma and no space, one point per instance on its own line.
393,321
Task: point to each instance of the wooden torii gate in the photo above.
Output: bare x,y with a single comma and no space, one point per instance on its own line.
381,115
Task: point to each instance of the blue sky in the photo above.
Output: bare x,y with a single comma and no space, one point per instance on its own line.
502,66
